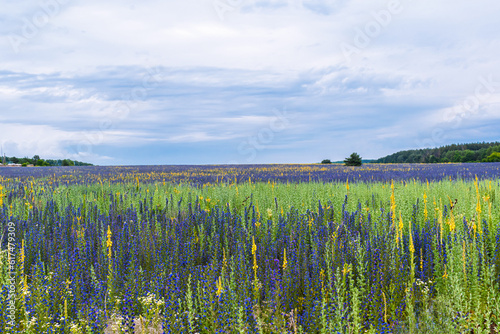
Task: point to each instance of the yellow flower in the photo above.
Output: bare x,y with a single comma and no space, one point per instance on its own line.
224,259
284,260
346,270
219,287
451,222
254,253
322,278
425,205
412,248
1,195
109,243
23,257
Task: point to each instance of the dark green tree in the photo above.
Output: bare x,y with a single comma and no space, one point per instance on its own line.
67,162
326,161
353,160
468,156
433,159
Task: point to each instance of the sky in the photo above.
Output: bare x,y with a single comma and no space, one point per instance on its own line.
122,82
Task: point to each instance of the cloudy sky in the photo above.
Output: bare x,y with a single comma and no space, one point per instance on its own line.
245,81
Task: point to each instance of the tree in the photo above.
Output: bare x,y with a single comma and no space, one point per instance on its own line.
468,156
433,159
35,159
353,160
67,162
42,163
326,161
494,157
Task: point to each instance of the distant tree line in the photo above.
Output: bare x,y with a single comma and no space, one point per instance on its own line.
474,152
37,161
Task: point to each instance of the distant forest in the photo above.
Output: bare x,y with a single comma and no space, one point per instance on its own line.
37,161
474,152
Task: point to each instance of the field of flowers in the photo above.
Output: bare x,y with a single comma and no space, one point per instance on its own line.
250,249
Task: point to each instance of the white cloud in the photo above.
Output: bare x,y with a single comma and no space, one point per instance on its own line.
87,72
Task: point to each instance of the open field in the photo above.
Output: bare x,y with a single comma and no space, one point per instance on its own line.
251,249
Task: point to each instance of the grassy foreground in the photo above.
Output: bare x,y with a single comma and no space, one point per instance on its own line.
226,257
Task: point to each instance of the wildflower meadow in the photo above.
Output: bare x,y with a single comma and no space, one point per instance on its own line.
250,249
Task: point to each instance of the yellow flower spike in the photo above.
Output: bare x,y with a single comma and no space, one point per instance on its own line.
393,204
68,282
322,278
109,242
385,307
411,247
440,220
425,206
219,287
22,256
346,269
478,210
400,230
421,261
254,253
452,222
65,309
1,195
285,263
